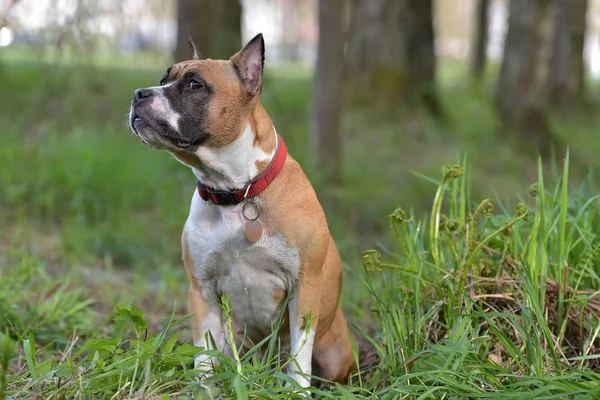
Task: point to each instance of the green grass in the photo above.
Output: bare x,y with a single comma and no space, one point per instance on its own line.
463,300
469,303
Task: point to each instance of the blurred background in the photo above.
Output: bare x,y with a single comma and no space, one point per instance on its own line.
371,96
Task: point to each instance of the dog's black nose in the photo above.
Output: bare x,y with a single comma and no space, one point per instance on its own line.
141,93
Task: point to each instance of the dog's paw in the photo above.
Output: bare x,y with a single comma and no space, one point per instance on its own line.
204,365
301,391
202,384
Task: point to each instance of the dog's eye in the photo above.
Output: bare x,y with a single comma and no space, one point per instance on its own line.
163,81
194,84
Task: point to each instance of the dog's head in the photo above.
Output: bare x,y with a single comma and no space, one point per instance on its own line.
200,102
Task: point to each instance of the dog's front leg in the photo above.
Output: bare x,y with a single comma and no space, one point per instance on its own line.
303,315
207,322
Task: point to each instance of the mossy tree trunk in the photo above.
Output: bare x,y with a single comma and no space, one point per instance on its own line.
480,38
215,26
525,80
390,53
326,111
568,61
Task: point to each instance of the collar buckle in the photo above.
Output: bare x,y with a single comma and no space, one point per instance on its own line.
222,197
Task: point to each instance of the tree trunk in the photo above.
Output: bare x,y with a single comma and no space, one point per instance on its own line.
568,62
525,78
214,25
479,51
326,137
290,30
391,56
8,6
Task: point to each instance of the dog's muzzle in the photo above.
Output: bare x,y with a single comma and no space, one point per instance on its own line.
139,96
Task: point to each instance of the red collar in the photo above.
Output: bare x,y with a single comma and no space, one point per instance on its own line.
254,187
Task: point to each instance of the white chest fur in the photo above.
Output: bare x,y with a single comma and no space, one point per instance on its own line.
225,262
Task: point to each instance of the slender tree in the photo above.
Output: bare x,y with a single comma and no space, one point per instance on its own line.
326,137
290,29
524,84
215,26
479,48
390,54
568,59
8,6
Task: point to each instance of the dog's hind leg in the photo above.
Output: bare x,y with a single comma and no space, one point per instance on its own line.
332,351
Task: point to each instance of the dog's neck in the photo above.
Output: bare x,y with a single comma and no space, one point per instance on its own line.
233,166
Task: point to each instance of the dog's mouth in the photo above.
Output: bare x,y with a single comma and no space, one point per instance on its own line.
181,143
134,119
153,133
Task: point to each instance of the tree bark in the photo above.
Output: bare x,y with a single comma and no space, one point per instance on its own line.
390,54
568,61
214,25
479,51
524,84
290,28
326,137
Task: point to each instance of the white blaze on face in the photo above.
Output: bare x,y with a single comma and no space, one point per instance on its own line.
162,108
158,106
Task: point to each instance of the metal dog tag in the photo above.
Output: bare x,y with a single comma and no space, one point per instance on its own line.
253,231
252,228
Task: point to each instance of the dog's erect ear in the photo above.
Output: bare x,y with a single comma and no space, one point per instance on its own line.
249,64
195,54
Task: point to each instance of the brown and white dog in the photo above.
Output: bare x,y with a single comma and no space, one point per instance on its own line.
207,114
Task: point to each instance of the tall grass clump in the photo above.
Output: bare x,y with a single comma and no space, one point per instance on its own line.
485,303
